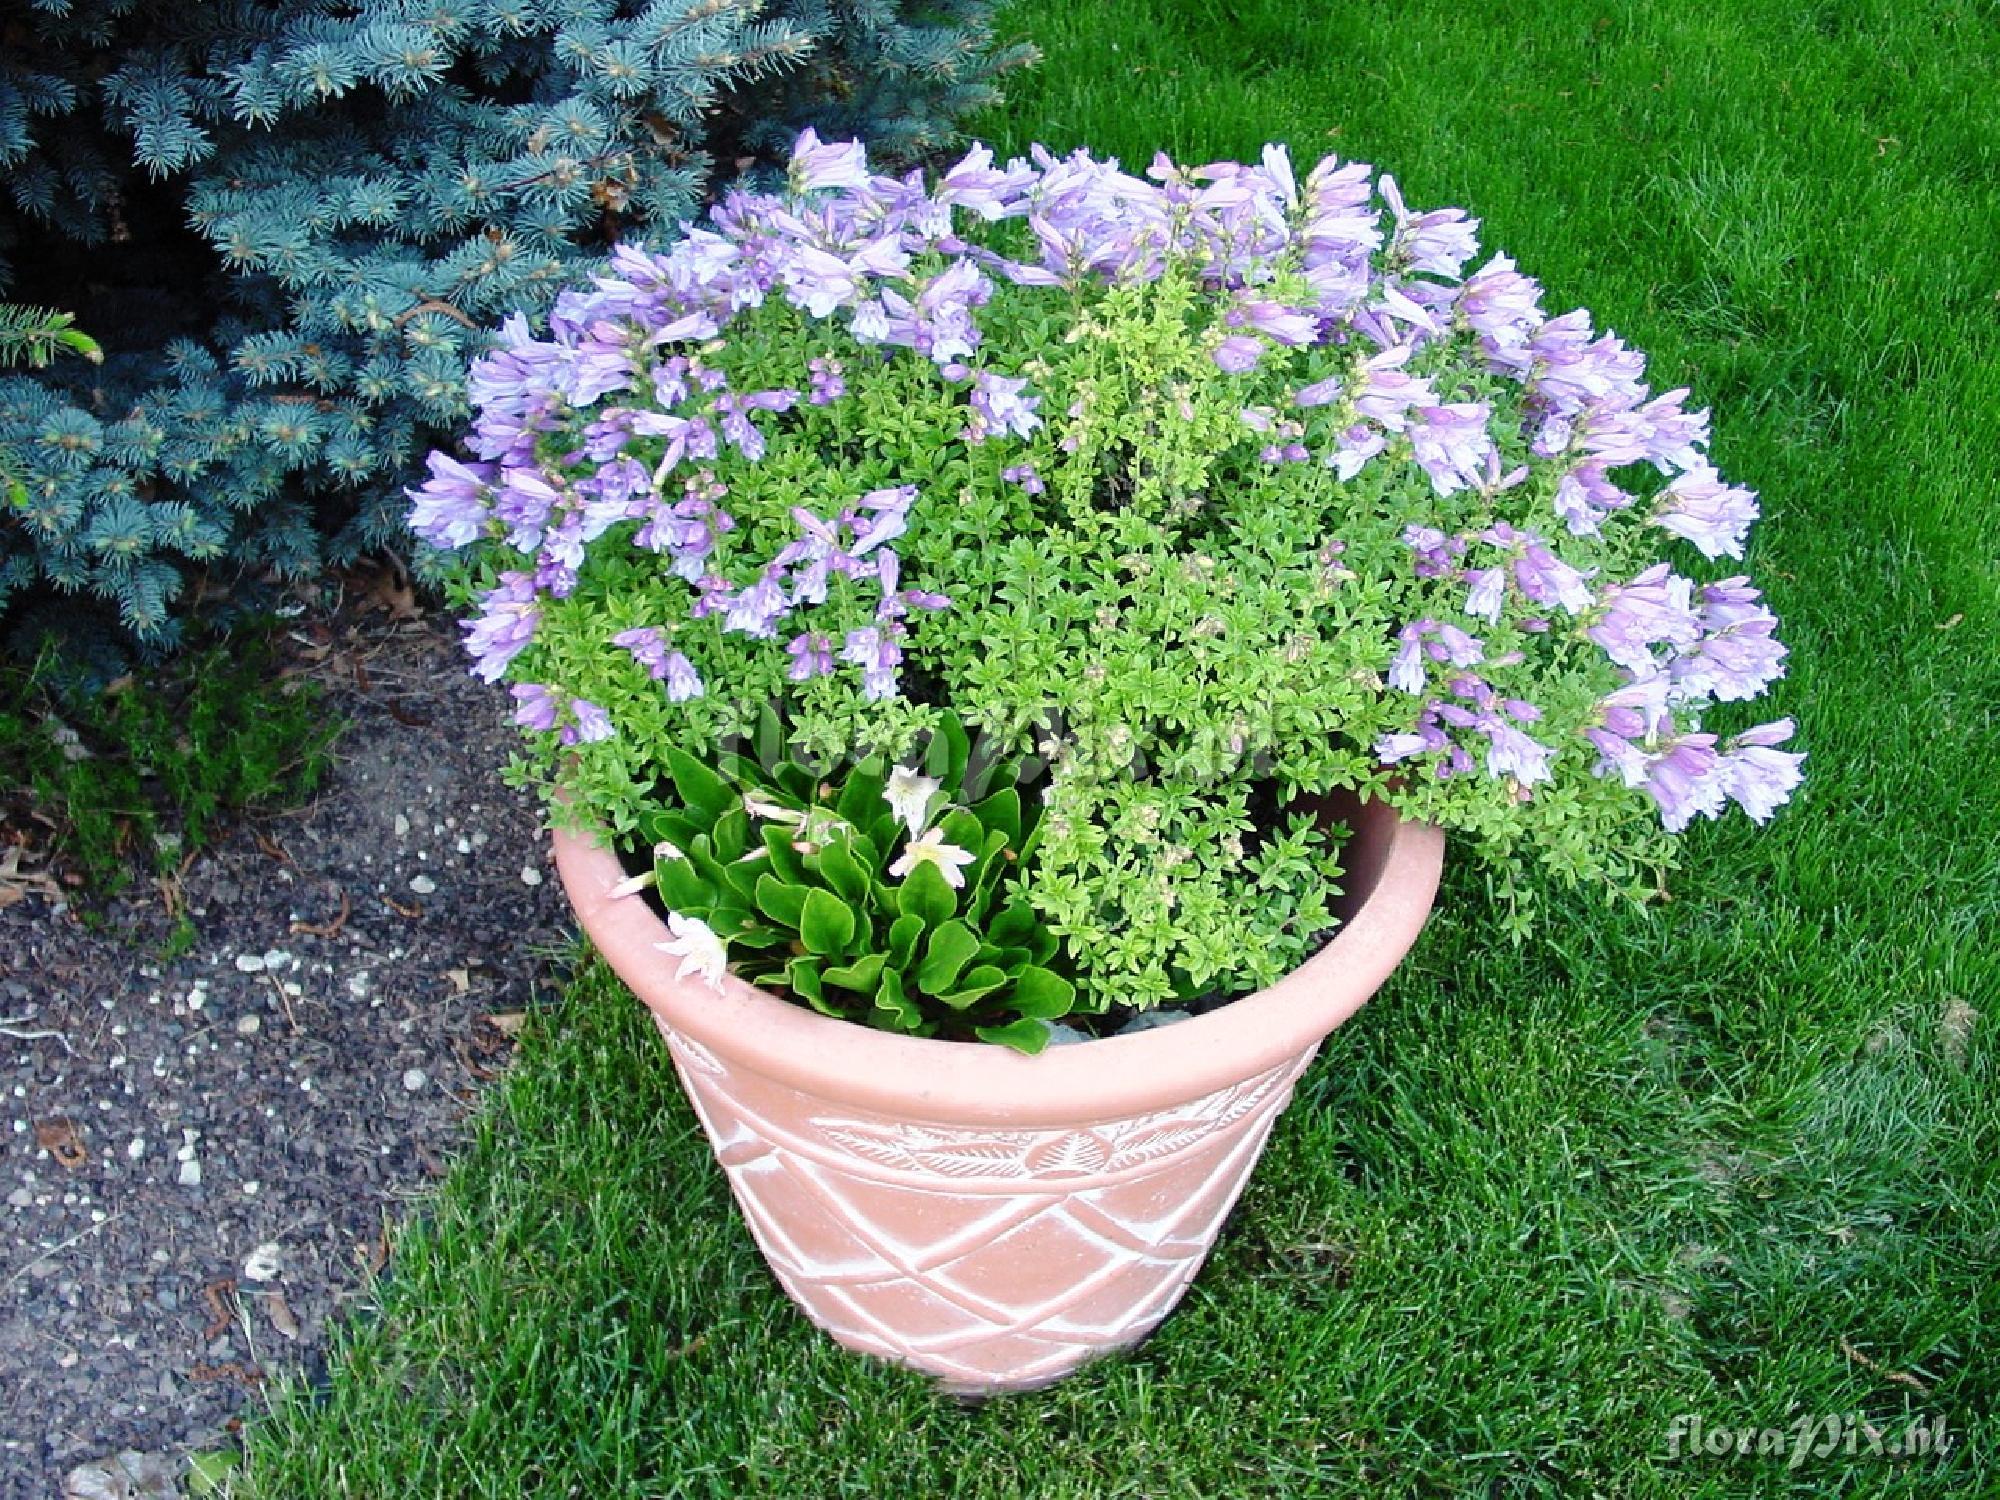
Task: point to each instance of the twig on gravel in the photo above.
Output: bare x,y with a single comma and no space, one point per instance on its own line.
35,1260
10,1026
283,999
328,929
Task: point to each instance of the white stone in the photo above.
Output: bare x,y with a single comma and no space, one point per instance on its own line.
247,1025
530,876
136,1148
423,885
415,1079
250,963
190,1174
264,1263
402,826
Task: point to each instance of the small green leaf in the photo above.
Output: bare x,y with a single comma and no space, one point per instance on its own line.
705,794
884,833
844,872
903,935
948,751
782,903
742,877
1012,926
785,862
1001,813
768,746
796,782
963,830
1023,1035
860,800
683,889
928,896
803,975
950,949
826,923
728,921
662,827
1042,995
974,985
701,854
894,1009
862,976
731,834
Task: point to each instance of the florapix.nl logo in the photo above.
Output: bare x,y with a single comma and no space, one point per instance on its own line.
1810,1436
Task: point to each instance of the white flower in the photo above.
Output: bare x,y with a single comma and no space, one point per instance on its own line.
699,949
632,885
931,849
908,794
759,806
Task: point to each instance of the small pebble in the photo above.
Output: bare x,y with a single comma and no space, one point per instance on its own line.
250,963
402,826
415,1079
190,1174
137,1148
530,876
263,1263
247,1025
423,885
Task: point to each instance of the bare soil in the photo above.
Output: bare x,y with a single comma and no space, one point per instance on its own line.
202,1158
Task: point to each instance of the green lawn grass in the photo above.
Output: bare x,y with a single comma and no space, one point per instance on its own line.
1736,1156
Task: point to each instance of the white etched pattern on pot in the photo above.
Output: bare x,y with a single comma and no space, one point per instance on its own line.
993,1259
1114,1146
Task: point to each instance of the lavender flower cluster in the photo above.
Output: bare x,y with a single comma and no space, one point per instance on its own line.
620,420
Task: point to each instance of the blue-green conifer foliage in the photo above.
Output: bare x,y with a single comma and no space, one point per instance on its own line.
291,225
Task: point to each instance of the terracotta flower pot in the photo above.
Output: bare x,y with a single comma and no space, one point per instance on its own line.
994,1219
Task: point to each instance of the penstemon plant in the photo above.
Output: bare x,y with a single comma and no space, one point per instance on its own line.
1193,496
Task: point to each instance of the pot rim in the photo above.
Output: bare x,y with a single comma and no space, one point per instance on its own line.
1392,874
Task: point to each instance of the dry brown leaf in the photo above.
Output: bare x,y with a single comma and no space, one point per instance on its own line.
387,591
220,1295
281,1315
507,1022
61,1140
1955,1030
461,980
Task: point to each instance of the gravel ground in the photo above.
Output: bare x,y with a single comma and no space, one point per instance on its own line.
203,1156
